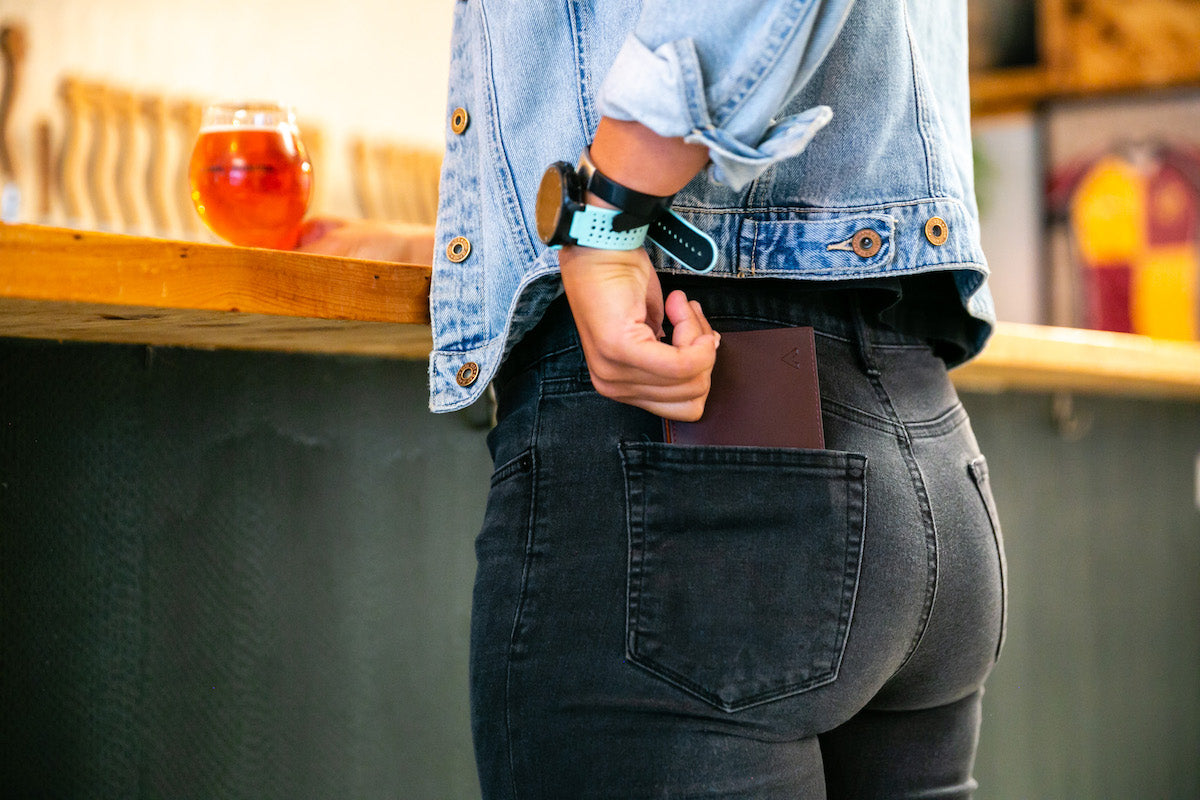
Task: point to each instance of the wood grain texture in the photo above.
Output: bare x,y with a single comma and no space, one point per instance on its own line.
61,265
1042,358
1090,47
210,330
65,284
75,285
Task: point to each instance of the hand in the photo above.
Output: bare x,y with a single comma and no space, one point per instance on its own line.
618,306
406,243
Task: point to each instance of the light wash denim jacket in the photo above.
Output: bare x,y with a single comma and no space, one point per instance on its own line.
823,119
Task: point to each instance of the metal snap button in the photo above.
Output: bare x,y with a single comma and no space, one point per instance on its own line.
459,120
866,243
467,373
937,231
458,249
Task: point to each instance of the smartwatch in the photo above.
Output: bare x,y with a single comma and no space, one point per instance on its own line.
564,218
636,208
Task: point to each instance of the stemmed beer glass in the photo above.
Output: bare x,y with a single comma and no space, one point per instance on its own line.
250,176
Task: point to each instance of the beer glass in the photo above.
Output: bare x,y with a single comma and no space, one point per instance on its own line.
250,176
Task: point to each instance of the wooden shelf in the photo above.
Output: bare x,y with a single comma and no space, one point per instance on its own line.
1010,89
1089,49
1023,88
84,286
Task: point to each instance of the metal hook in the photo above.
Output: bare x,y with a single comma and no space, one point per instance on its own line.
1070,423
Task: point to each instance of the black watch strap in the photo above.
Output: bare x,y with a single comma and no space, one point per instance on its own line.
683,242
679,239
637,208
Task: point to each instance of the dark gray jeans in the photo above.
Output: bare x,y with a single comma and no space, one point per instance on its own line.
656,621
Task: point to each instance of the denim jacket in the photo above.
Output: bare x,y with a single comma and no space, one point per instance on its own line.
824,120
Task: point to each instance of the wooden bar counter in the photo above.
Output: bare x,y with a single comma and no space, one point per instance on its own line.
65,284
79,285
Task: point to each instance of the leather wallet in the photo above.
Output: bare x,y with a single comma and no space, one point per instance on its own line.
764,393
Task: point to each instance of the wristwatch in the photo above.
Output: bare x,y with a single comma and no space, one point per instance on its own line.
564,218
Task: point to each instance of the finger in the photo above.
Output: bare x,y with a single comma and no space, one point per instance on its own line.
676,402
689,322
693,388
706,327
650,362
678,308
688,410
655,311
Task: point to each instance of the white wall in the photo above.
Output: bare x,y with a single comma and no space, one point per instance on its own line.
369,67
1008,184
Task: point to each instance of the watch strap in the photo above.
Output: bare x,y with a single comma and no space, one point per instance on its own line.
592,226
636,208
683,241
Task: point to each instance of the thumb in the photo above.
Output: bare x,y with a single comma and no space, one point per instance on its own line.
688,320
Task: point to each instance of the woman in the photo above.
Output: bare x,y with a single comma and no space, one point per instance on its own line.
659,620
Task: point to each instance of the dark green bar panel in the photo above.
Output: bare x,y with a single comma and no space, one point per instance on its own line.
232,575
1097,693
247,575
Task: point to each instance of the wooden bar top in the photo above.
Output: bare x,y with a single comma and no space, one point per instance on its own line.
66,284
57,283
1041,358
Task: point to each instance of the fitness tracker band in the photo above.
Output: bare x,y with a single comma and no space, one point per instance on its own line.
564,218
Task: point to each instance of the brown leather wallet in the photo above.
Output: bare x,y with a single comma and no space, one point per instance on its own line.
764,393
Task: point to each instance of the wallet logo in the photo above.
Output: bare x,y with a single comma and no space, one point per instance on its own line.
795,358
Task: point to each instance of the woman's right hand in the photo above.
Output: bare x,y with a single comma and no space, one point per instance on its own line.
618,306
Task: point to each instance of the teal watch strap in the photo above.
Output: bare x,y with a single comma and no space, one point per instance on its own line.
593,227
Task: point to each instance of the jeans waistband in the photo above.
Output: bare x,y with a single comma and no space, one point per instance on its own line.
849,311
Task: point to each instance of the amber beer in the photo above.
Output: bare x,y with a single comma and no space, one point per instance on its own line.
250,176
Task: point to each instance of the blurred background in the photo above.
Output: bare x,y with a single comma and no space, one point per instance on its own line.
109,96
234,574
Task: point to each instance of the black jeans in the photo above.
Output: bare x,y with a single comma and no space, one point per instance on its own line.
656,620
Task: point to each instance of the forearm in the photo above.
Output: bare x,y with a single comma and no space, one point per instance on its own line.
725,75
635,156
615,296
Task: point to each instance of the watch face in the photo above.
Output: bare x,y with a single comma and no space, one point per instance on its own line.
554,202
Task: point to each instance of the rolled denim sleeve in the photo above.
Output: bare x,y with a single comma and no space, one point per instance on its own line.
718,73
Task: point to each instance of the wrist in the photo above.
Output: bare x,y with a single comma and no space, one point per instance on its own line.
636,208
598,202
635,156
582,207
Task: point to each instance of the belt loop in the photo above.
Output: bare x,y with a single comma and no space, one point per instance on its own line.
863,331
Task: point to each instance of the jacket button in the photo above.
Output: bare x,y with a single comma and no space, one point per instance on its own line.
467,373
866,243
459,120
937,231
458,249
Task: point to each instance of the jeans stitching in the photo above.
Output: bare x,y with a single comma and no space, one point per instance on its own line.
979,477
630,488
904,441
948,421
519,613
635,464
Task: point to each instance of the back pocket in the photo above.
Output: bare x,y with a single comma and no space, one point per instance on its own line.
743,567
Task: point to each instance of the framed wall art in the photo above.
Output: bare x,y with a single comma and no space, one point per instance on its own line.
1123,214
